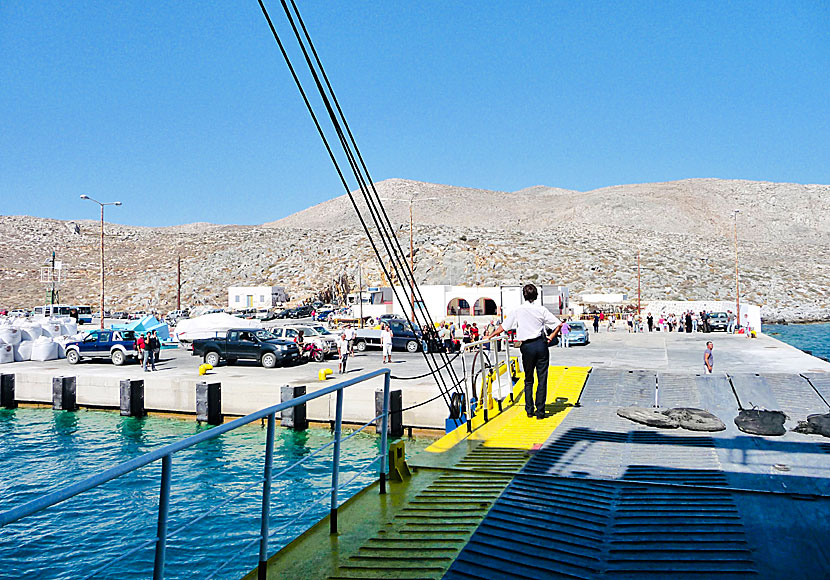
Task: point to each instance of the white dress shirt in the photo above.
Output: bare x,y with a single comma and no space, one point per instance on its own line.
529,320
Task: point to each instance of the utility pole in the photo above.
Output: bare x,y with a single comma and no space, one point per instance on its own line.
737,279
639,309
179,283
411,201
360,291
102,248
52,298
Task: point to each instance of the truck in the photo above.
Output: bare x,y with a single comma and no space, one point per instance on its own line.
116,345
404,336
246,344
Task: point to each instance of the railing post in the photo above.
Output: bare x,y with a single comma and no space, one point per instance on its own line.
262,568
384,428
494,346
485,400
335,468
164,509
466,391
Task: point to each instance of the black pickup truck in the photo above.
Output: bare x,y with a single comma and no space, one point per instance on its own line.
247,344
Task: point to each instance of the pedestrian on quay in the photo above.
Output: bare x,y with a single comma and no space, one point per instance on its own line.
650,322
351,334
630,321
155,345
386,343
141,347
444,337
343,351
730,317
531,322
596,323
564,334
708,358
688,322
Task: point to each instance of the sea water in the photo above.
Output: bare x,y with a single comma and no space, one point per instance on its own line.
814,338
42,449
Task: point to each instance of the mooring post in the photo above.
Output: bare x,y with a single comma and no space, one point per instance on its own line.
63,394
395,423
209,403
7,399
132,398
294,417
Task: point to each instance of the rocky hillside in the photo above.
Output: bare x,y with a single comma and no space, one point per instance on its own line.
587,240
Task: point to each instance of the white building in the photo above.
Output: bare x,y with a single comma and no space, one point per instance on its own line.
472,303
263,297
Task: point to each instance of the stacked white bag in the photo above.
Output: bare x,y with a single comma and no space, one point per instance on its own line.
44,348
6,353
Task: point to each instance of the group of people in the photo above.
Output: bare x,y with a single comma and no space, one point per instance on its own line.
346,340
688,321
450,336
149,348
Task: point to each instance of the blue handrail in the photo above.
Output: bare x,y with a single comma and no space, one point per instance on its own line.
165,454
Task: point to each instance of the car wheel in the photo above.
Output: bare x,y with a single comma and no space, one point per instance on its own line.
72,357
319,356
412,346
269,360
212,358
118,358
360,346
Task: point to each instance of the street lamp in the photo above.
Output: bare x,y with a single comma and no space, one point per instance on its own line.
102,248
737,284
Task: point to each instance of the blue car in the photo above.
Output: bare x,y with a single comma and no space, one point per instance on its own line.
578,334
116,345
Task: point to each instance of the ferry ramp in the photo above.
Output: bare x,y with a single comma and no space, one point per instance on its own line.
587,494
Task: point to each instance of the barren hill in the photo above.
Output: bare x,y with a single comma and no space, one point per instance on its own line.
587,240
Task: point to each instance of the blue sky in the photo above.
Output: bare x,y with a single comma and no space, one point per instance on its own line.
185,112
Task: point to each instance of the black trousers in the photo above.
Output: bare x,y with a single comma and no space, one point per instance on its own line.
535,356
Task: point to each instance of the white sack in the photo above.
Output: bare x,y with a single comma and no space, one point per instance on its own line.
6,353
44,349
50,328
10,335
29,331
23,351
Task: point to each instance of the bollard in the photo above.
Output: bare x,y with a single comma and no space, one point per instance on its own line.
295,417
398,469
63,394
395,411
209,403
7,399
132,398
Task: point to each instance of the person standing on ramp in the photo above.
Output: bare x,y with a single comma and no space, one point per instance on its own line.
531,322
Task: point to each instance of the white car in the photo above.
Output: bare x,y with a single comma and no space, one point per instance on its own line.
316,333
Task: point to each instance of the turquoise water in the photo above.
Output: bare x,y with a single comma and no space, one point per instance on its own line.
41,449
811,337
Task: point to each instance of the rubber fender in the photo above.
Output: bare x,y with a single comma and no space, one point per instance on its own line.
761,422
456,405
695,419
647,416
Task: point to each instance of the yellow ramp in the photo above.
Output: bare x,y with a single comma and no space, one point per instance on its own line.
512,428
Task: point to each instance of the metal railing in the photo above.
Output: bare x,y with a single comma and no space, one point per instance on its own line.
165,454
478,346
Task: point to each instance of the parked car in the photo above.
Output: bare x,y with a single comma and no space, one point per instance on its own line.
316,333
120,315
300,312
322,314
116,345
578,334
718,321
404,336
246,344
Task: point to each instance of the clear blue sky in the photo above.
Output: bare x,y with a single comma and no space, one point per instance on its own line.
185,112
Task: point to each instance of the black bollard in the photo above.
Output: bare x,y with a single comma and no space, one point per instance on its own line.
63,394
295,417
209,403
132,398
395,412
7,399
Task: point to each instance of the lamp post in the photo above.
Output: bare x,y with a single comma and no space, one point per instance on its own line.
102,248
411,201
737,279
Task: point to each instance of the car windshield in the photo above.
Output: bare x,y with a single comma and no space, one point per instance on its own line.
264,335
720,315
577,325
307,330
322,330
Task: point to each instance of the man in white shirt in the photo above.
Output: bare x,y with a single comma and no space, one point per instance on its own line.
386,343
531,322
350,336
343,351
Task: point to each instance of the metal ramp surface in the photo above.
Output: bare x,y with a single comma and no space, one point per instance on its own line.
606,497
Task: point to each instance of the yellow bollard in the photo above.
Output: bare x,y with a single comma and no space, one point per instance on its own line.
323,374
203,369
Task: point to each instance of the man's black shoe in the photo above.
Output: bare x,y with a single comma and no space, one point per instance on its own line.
530,415
540,415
